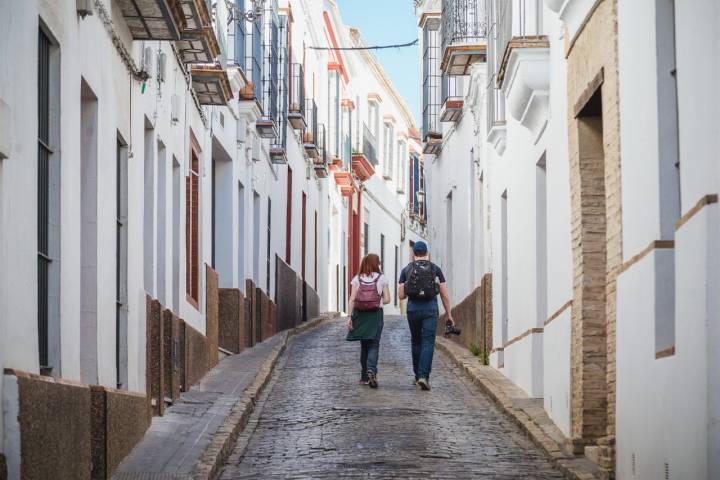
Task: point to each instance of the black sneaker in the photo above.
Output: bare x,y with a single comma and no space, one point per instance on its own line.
372,380
423,383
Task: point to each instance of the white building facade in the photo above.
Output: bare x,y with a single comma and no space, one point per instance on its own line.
166,154
564,147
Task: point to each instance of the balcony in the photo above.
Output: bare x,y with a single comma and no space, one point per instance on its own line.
432,143
464,35
524,78
296,109
153,19
211,85
320,164
453,96
310,137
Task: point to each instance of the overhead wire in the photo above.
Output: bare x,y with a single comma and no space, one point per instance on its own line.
373,47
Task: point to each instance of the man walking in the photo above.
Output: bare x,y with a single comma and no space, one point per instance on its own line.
420,282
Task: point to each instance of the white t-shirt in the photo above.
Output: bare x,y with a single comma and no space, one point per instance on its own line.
369,279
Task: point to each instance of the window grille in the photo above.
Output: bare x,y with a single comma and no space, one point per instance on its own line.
347,136
500,20
43,218
388,150
402,156
253,48
431,77
297,90
271,60
281,116
240,35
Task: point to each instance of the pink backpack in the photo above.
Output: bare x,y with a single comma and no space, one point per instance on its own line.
367,297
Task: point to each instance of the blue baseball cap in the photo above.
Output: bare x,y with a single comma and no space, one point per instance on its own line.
420,248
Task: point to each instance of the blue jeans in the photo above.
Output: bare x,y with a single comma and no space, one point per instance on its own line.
369,351
423,325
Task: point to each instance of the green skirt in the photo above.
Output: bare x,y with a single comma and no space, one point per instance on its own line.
365,325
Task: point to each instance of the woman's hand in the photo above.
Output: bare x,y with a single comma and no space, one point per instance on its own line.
349,324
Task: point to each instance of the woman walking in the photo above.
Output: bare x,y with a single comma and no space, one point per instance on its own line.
368,294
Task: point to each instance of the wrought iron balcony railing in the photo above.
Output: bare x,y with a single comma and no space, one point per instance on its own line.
464,35
369,146
296,110
310,137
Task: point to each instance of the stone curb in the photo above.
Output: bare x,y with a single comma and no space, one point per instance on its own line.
573,467
223,440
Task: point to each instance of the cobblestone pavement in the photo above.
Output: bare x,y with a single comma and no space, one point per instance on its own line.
317,422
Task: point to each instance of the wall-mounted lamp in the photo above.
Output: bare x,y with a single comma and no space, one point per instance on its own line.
252,15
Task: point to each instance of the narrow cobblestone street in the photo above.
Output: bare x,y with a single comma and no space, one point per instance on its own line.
317,422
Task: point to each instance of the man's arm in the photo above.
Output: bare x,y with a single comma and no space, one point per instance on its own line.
445,297
401,291
351,306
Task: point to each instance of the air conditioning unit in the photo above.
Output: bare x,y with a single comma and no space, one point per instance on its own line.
147,61
175,108
84,7
162,62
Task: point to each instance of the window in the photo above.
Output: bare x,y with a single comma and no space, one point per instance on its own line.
334,113
304,234
366,237
176,226
346,135
402,158
669,173
192,230
121,243
88,234
382,252
241,236
374,118
48,202
388,151
541,240
431,76
162,220
149,223
397,260
269,237
288,216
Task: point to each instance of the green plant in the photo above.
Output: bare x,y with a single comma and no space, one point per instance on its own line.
485,356
474,349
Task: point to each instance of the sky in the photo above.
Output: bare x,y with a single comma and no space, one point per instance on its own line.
390,22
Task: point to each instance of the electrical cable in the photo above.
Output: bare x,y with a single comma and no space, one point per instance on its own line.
374,47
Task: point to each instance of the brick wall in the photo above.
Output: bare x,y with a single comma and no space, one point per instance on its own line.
250,311
594,54
286,296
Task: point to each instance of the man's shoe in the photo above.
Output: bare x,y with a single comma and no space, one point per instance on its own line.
424,384
372,380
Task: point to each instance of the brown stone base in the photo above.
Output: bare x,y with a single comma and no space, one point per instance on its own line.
55,427
154,370
119,422
212,314
171,348
196,356
473,315
232,320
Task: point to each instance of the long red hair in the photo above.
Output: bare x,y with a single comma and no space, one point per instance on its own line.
370,264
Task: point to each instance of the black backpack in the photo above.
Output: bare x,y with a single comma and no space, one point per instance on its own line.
420,283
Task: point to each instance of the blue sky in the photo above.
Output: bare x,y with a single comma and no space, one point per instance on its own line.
385,22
